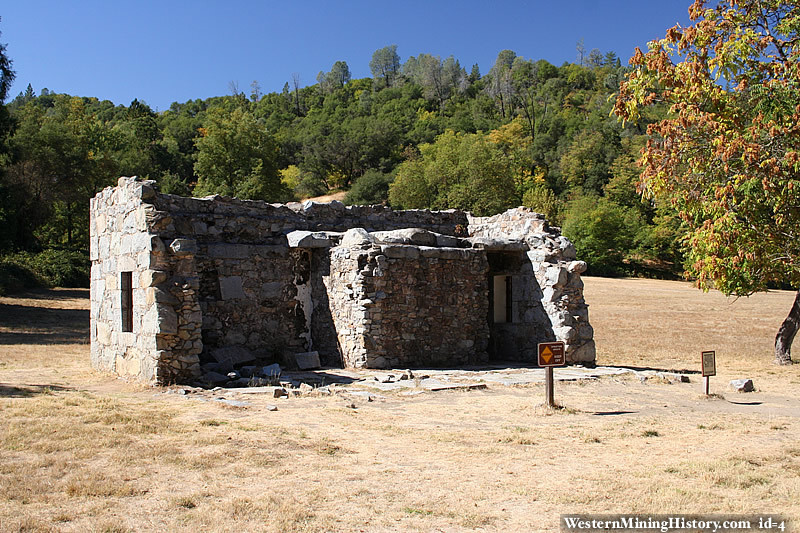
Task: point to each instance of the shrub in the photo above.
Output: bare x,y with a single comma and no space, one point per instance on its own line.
16,276
542,200
603,233
170,183
63,268
371,188
50,268
310,187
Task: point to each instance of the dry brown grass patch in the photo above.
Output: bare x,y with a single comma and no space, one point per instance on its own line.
83,451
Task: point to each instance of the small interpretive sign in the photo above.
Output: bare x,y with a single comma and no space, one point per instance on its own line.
551,354
709,363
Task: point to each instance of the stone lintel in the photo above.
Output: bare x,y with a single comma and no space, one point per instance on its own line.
498,245
308,239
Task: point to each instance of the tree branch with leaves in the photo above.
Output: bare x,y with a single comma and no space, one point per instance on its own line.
727,157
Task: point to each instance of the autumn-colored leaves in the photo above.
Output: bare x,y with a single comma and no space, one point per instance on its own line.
727,155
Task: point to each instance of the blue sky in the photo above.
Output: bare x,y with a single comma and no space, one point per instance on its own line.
168,51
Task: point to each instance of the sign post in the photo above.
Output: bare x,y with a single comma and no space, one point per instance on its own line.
709,366
551,354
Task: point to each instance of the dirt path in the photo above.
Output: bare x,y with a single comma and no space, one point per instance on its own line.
339,196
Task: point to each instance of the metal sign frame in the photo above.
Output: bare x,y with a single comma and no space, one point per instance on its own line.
558,351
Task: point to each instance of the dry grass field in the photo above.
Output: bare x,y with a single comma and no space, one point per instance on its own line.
84,451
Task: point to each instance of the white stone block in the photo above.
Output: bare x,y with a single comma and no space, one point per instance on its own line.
103,246
551,294
129,224
126,263
150,321
94,249
140,242
308,239
356,237
150,278
577,267
556,276
125,244
103,334
144,261
115,238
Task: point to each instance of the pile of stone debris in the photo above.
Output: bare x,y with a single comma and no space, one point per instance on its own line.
217,375
235,366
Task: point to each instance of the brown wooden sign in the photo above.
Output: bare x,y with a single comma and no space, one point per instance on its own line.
552,354
709,364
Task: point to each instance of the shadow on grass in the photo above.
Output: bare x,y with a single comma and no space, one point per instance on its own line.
41,325
668,370
53,294
29,391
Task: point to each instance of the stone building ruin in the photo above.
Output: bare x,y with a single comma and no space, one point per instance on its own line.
178,282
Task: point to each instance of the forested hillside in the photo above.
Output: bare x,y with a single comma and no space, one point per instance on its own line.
424,133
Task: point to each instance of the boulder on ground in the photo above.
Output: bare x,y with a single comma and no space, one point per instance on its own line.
271,371
742,385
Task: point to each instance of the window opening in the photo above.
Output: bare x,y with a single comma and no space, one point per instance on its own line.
126,286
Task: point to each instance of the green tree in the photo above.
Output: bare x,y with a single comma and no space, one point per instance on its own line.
237,157
604,233
586,164
7,74
9,194
62,157
370,189
385,64
500,86
141,152
728,155
170,183
336,78
541,199
461,171
437,78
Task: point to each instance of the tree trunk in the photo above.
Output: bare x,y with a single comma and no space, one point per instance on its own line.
786,333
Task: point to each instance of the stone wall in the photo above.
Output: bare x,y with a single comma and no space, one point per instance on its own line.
163,341
174,294
248,297
435,306
253,294
401,305
408,288
557,274
351,302
217,219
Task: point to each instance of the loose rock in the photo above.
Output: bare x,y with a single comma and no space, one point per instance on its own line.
271,371
743,385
